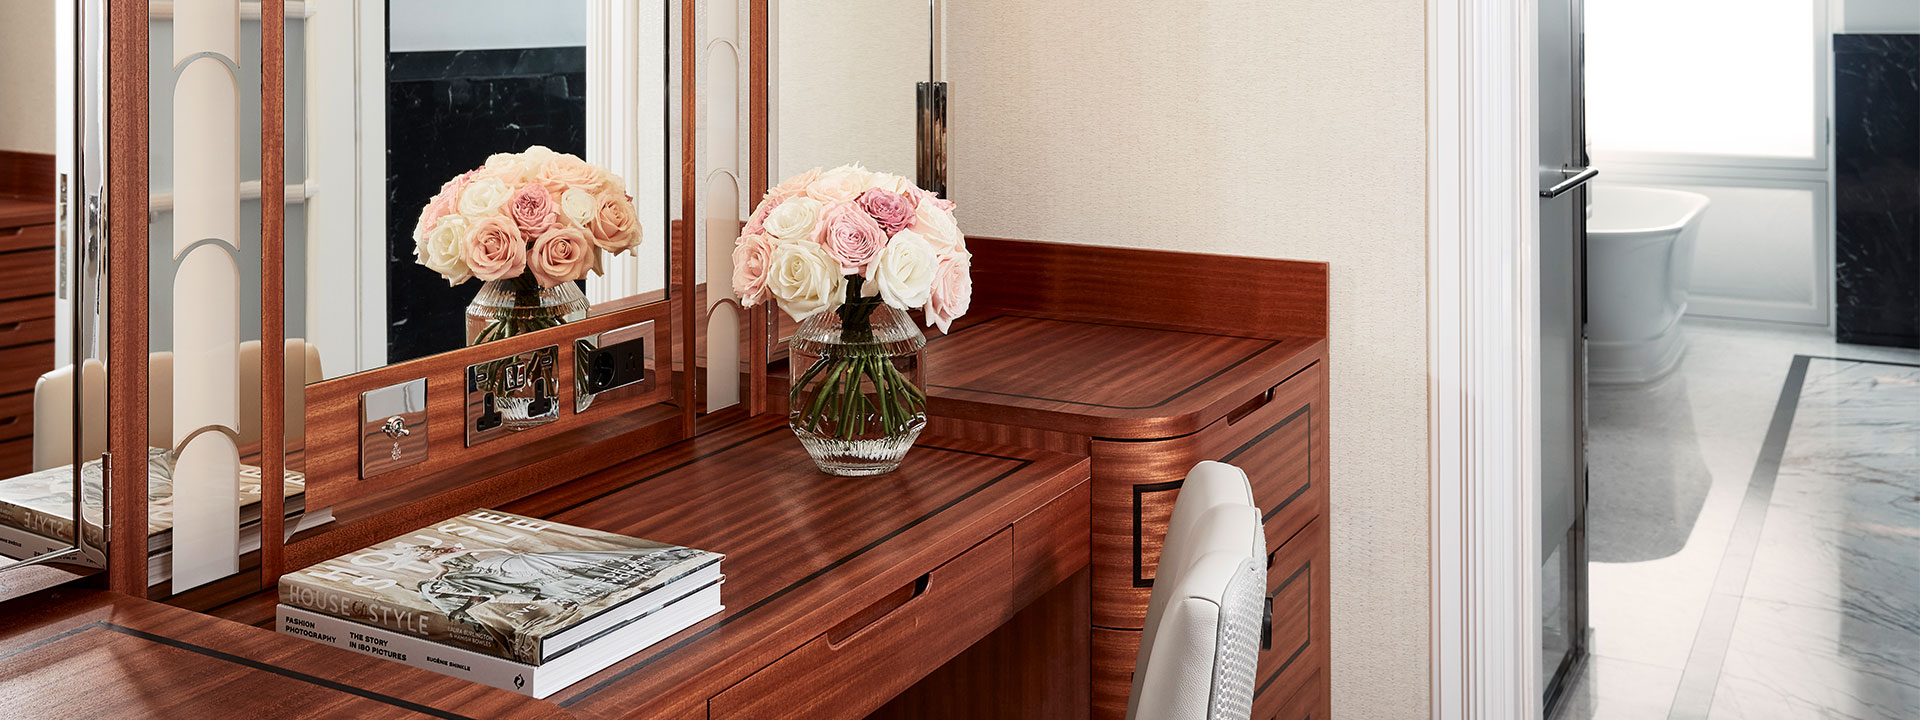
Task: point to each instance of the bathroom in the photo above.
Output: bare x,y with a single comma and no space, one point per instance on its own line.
1752,398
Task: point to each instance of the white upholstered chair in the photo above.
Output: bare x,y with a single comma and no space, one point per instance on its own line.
1207,613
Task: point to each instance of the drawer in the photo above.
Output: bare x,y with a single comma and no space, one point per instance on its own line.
27,332
16,416
16,457
879,652
26,273
22,365
1278,437
29,308
1296,587
28,237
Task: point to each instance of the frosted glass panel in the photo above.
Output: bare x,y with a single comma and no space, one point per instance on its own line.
722,100
1719,77
1758,244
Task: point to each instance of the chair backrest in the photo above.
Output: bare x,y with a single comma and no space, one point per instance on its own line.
1206,636
301,365
1207,485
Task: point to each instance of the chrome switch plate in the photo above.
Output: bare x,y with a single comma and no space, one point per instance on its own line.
616,361
513,393
393,427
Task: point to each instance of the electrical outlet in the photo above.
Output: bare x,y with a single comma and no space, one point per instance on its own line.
513,393
612,360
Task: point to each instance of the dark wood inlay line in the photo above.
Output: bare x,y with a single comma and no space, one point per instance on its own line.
797,584
244,662
1139,495
1304,411
1304,644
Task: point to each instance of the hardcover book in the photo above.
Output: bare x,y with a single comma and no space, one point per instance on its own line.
42,502
498,583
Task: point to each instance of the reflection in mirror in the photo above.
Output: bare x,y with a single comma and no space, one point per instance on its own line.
51,309
423,91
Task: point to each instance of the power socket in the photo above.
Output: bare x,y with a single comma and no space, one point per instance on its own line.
611,360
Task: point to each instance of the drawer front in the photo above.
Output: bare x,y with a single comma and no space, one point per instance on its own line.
1277,437
29,308
26,273
22,365
1296,587
855,668
27,237
27,332
1113,655
16,457
16,416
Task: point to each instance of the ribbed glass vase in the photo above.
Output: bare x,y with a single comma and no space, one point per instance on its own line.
859,399
518,305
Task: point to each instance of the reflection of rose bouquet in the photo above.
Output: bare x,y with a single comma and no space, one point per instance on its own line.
848,239
541,211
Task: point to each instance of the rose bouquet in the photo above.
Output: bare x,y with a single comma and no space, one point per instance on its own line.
847,252
529,224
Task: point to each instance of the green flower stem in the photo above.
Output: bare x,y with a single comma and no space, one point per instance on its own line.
851,391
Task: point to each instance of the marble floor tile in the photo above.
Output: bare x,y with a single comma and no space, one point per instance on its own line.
1786,661
1610,689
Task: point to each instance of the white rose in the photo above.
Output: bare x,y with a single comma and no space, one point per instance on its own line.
794,219
439,250
804,279
841,184
893,183
905,270
579,207
938,227
533,158
482,196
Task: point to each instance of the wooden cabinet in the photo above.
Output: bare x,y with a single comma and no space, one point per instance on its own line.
27,277
1148,404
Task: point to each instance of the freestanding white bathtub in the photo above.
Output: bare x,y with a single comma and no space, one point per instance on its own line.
1639,260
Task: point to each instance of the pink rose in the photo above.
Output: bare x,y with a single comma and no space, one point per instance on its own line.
922,197
532,208
952,290
494,249
563,171
443,204
750,268
562,254
757,223
892,211
614,227
796,184
850,236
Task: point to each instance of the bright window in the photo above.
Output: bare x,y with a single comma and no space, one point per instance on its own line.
1705,77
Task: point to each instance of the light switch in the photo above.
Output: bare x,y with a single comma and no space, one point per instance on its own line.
513,393
393,427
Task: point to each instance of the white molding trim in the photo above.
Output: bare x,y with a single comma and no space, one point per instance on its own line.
297,9
1482,307
294,194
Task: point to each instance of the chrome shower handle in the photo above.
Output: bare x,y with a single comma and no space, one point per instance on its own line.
1573,181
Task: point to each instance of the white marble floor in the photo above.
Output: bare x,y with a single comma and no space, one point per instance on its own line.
1804,604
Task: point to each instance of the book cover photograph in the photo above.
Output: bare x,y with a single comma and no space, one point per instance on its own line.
42,502
491,581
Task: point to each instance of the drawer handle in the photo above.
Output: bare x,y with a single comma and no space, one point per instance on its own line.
10,420
880,610
12,326
1251,406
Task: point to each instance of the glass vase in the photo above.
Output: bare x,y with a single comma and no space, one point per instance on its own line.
859,399
518,305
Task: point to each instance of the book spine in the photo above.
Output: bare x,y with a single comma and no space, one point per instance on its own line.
313,589
21,545
35,521
412,650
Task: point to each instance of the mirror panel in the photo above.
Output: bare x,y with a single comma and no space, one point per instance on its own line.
425,91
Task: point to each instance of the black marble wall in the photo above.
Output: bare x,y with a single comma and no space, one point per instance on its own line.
446,112
1876,144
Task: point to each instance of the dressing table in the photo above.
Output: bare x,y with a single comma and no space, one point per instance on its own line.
1003,571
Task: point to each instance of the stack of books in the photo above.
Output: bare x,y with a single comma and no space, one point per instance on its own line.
36,511
515,602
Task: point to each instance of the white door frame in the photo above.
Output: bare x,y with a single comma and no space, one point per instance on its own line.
1482,307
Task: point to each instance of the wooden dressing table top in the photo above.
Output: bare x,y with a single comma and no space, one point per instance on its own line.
805,551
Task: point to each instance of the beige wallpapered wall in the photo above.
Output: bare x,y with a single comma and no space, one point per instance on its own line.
1250,127
26,75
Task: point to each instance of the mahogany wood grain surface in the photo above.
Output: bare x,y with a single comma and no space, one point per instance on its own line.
333,411
273,281
1244,296
1101,379
83,653
27,176
805,551
18,212
127,62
